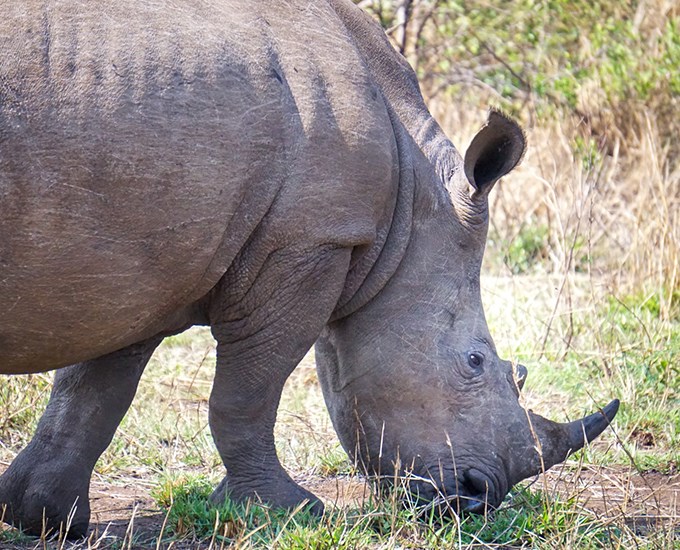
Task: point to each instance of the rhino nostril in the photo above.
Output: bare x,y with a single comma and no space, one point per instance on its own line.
473,492
476,492
477,481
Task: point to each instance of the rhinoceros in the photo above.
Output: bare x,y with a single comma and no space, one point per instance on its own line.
268,169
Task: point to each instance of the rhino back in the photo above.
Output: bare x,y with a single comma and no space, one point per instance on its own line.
141,143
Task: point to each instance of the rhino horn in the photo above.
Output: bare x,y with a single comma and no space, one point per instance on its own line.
580,432
556,441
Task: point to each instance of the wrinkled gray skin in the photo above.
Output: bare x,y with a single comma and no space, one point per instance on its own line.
268,169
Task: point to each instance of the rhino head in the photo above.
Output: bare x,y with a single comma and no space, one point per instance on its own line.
412,379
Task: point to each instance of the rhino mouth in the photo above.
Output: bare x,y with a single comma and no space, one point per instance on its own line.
471,491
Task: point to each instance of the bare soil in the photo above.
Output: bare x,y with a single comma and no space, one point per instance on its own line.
644,500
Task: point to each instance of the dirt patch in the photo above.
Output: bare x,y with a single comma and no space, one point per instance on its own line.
123,511
125,516
644,501
343,492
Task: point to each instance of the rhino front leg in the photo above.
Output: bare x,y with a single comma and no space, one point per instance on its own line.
262,335
46,486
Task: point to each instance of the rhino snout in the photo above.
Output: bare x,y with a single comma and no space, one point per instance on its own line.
470,491
478,492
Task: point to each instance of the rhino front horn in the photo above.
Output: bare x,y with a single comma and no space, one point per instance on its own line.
585,430
559,440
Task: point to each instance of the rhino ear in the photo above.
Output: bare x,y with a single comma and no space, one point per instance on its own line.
496,149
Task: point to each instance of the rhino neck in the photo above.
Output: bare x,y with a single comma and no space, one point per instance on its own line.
423,152
374,267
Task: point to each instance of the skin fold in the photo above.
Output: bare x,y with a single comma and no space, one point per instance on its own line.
270,170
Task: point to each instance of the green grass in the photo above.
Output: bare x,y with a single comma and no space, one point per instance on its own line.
526,251
529,518
189,516
625,348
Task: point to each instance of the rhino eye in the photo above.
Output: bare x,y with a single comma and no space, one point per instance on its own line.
475,360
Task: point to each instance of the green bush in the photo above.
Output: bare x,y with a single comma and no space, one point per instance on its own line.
600,61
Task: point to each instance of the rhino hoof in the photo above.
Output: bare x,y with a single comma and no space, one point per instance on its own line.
44,518
285,494
38,514
43,500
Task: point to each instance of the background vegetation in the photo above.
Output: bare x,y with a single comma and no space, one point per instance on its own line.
581,284
597,86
